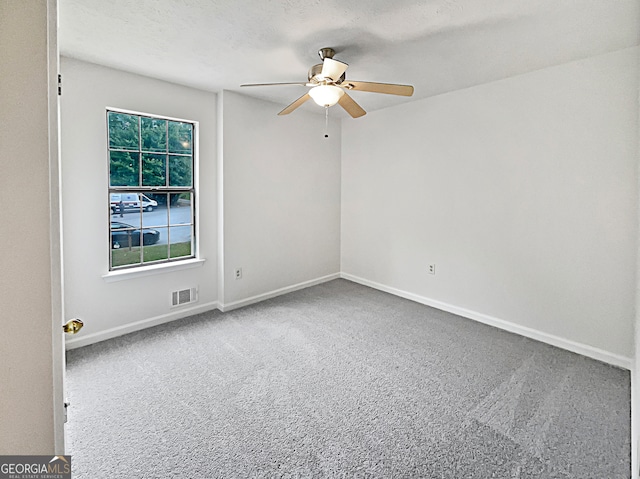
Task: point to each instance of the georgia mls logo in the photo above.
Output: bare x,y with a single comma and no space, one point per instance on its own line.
61,461
35,467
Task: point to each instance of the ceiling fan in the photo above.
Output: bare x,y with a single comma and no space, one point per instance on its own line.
329,86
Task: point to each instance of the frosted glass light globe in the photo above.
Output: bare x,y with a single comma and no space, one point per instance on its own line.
326,95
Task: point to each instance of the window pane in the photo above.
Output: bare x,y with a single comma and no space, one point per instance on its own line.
150,236
157,218
154,134
120,207
147,204
125,256
180,171
123,131
155,246
180,209
160,198
127,205
124,236
180,237
154,170
180,137
124,168
125,242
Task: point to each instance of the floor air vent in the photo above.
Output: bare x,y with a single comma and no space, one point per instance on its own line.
184,296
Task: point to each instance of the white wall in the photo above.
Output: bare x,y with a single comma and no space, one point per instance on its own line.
523,192
281,197
109,308
275,181
27,283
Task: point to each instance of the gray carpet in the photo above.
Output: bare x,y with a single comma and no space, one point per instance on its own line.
340,380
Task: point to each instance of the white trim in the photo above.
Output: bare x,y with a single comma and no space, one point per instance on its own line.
635,443
123,274
277,292
579,348
82,340
220,194
55,232
148,115
79,341
118,275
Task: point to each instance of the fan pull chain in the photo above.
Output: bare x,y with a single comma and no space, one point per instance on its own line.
326,121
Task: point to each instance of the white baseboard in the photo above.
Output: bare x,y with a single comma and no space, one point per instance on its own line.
79,341
583,349
277,292
579,348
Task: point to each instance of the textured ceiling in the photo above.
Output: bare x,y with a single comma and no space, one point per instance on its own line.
435,45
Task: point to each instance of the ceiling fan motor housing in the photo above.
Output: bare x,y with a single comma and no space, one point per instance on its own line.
315,75
315,71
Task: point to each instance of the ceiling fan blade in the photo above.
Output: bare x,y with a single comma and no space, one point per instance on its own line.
295,104
333,68
388,88
351,106
275,84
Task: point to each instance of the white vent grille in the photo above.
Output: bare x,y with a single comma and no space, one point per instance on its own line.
184,296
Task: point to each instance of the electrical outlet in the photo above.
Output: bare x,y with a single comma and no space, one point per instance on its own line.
432,269
238,273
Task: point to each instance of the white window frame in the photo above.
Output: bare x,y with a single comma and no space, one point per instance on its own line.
170,264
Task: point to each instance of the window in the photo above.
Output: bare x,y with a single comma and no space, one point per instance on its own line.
151,189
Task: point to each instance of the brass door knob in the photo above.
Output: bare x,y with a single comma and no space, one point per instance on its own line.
72,326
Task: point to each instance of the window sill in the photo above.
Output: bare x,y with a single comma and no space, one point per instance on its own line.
125,274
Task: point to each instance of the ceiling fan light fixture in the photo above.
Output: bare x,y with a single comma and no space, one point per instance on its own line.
328,82
326,95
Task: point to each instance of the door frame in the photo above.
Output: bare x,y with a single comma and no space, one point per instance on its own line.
55,208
